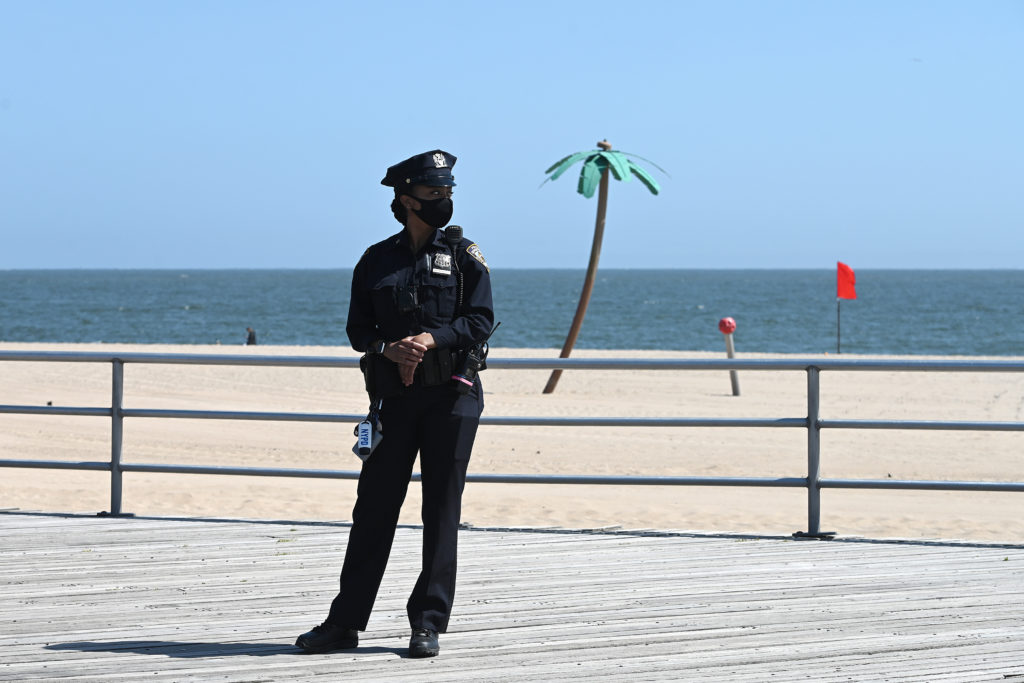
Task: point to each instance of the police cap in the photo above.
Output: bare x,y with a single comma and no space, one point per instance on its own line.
430,168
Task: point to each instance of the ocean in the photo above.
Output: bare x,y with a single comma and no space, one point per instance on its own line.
961,312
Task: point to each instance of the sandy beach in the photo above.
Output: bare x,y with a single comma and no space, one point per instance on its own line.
760,452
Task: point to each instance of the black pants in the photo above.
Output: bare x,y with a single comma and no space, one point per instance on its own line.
441,425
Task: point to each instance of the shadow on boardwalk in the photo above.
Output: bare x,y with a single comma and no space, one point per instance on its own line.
173,599
615,531
164,648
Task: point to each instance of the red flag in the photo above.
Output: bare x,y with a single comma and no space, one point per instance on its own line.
845,281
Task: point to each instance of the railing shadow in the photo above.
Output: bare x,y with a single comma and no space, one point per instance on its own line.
650,533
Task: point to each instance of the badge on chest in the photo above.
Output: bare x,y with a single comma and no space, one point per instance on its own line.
441,264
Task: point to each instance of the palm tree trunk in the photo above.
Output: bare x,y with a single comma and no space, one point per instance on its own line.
588,282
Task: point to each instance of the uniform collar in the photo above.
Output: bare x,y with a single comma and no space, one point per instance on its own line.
438,240
403,240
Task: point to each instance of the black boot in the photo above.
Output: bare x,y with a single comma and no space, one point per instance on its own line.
327,637
423,643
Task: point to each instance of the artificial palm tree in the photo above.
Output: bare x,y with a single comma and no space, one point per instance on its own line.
594,175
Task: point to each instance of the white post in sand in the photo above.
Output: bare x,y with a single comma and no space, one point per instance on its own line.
727,326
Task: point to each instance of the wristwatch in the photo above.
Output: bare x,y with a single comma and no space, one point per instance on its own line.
378,346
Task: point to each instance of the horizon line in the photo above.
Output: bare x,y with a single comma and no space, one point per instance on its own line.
507,268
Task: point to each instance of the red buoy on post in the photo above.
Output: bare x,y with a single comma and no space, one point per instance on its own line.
727,326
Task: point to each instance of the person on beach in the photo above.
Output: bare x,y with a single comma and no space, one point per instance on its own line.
250,339
421,303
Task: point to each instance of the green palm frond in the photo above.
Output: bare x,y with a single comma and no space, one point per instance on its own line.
590,175
595,162
645,178
630,154
561,161
563,164
618,164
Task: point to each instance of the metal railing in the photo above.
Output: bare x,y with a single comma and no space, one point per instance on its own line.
812,422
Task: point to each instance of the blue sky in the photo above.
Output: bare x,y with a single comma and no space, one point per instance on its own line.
236,134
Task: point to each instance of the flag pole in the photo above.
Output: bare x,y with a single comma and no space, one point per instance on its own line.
845,281
839,326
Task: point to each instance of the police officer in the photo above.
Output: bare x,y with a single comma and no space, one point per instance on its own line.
420,300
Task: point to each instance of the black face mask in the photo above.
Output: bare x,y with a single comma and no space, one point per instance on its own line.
435,212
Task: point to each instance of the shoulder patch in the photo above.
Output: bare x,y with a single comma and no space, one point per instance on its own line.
474,251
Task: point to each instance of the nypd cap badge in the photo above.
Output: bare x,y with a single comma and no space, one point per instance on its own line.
432,168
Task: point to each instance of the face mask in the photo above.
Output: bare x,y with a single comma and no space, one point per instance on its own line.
435,212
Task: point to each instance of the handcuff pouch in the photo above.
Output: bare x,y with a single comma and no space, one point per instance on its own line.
436,367
380,376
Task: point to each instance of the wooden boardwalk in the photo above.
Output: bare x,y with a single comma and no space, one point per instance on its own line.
160,599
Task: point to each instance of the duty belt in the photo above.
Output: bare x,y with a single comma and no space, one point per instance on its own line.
436,367
383,381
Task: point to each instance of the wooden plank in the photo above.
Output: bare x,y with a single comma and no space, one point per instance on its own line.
168,599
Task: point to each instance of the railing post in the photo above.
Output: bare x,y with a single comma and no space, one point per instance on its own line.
116,434
813,458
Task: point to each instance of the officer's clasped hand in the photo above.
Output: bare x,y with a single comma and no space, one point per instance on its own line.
408,354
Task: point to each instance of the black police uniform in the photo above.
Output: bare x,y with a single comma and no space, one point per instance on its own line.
396,294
